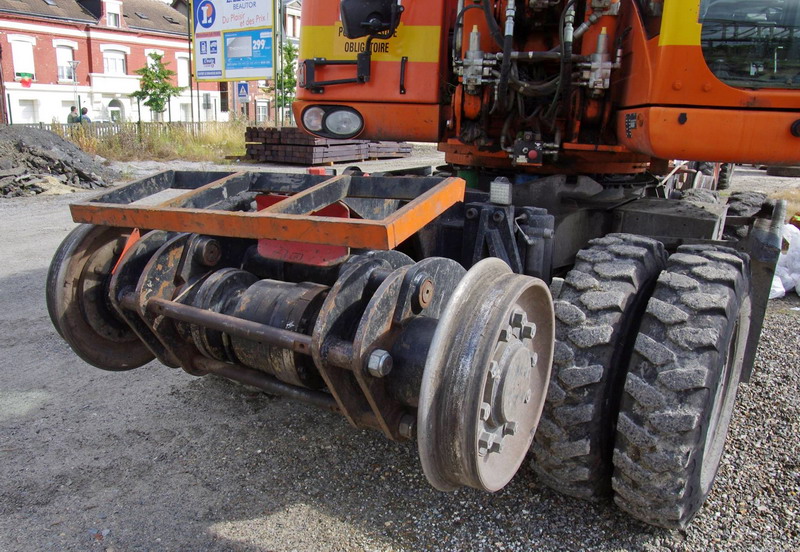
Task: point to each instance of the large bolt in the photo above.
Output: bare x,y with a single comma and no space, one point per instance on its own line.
408,425
208,253
486,411
379,363
510,428
517,319
528,331
422,291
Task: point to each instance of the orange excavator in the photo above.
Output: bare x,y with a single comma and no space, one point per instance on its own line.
561,291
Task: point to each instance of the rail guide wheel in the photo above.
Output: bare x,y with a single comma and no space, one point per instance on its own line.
78,302
485,379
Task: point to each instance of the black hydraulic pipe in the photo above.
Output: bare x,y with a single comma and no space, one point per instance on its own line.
246,329
266,383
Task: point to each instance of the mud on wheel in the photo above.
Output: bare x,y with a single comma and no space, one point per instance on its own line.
681,386
597,313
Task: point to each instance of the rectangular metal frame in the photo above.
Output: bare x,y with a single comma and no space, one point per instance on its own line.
205,207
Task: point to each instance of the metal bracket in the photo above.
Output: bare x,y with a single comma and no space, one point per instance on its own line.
362,63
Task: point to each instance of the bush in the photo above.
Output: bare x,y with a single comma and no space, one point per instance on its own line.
211,142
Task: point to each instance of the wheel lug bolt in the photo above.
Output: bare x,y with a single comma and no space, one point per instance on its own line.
510,428
486,411
528,331
517,319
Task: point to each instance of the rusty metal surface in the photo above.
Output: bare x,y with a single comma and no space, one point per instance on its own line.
198,210
76,300
266,383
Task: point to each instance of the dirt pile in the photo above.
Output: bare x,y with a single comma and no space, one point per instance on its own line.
30,158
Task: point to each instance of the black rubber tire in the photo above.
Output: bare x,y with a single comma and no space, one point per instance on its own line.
725,178
705,167
700,195
681,386
597,314
743,204
785,171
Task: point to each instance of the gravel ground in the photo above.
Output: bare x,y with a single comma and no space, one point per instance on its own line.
154,459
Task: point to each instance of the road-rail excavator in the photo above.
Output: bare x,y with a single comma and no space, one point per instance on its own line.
559,293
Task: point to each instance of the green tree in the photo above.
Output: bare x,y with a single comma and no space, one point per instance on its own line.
155,86
286,80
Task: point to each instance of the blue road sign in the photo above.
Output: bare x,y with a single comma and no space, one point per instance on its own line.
242,90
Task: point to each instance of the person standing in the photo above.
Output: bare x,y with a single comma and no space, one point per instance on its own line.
73,115
84,117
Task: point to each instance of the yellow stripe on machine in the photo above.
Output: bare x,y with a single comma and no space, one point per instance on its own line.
419,43
680,25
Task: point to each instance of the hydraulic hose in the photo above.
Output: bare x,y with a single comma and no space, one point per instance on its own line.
505,66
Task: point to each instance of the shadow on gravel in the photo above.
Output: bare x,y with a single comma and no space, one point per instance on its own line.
155,459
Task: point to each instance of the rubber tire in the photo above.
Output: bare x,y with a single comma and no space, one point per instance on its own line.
598,309
725,178
784,170
685,367
743,204
700,195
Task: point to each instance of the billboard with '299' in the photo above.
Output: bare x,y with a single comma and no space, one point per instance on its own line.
233,39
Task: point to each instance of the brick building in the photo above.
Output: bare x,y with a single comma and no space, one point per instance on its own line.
58,53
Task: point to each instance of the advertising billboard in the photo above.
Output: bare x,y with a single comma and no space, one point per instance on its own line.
233,39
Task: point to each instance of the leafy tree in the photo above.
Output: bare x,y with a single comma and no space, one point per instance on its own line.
286,80
155,86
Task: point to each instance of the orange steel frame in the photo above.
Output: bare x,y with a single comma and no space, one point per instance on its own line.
289,219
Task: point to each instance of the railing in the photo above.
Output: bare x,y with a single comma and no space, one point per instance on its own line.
103,130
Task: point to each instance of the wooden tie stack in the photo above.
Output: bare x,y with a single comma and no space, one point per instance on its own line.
291,145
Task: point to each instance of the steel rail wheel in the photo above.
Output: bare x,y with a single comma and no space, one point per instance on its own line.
485,379
78,302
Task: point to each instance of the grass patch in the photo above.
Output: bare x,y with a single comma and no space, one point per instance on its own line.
210,142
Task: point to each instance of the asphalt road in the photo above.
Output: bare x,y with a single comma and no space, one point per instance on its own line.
155,459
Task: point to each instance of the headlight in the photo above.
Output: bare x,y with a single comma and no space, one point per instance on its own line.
312,118
343,122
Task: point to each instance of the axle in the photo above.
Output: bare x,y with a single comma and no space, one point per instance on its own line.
460,358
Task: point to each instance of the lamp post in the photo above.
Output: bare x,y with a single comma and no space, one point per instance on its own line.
775,59
73,64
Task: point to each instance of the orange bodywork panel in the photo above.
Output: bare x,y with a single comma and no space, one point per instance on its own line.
742,136
414,53
672,106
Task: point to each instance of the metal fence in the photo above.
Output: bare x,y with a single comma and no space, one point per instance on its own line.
103,130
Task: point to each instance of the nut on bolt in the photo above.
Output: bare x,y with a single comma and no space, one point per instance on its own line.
209,252
379,363
422,291
408,426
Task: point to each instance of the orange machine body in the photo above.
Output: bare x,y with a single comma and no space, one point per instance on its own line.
663,99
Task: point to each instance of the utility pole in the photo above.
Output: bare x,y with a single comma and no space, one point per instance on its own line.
5,116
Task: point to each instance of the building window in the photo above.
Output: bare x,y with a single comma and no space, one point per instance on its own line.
64,56
22,55
262,111
114,63
150,61
28,112
183,72
112,16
